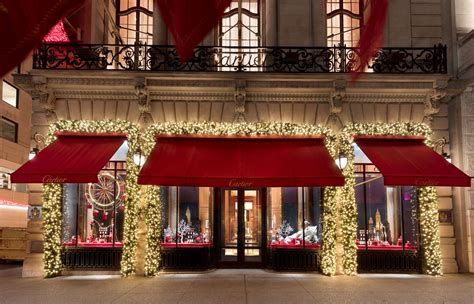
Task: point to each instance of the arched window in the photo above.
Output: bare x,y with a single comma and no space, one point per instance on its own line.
135,20
240,25
344,20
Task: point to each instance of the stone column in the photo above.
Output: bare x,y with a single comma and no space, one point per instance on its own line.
462,146
160,30
271,23
33,263
318,16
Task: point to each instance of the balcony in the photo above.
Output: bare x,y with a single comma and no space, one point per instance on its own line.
156,58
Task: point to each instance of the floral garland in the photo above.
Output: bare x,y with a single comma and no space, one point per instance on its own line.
153,215
427,197
52,195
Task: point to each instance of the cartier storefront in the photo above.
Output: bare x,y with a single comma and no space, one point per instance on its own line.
238,196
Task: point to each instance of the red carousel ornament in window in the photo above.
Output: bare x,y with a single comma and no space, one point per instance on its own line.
95,213
105,215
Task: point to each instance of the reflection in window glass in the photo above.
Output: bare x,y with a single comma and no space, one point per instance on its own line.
8,129
135,21
387,216
187,216
93,213
10,94
294,217
343,22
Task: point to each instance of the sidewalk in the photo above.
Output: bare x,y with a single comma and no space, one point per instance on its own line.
237,286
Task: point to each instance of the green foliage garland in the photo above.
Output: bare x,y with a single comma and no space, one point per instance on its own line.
428,199
153,215
52,195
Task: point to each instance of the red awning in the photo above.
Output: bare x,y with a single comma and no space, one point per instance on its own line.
70,159
407,161
240,162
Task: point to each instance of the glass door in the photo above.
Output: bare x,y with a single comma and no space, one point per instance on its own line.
241,227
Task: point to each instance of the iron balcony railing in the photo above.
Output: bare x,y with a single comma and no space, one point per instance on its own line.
338,59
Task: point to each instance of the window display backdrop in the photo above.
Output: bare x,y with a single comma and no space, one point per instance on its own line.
154,197
93,213
187,216
294,217
427,197
387,216
52,197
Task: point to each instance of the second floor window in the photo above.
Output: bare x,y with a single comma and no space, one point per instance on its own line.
241,24
239,33
344,21
135,19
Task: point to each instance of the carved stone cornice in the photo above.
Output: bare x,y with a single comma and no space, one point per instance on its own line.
192,96
286,97
96,94
70,81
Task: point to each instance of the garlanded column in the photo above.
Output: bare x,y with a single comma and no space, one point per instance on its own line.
429,226
428,199
52,196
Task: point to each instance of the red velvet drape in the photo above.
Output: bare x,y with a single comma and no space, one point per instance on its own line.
24,23
190,21
371,34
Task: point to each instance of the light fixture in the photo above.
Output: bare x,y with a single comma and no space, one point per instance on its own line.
138,158
341,161
446,156
33,153
439,147
39,144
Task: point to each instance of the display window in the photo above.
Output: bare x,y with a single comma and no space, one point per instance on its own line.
93,213
387,216
187,216
294,217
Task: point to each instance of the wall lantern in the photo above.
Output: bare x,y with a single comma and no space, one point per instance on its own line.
341,161
139,158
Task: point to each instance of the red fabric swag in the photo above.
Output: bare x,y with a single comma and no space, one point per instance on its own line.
371,35
24,23
190,21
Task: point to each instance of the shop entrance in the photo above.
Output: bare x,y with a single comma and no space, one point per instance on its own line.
241,228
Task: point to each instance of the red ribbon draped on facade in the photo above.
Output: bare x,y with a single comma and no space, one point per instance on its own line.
190,21
24,23
371,34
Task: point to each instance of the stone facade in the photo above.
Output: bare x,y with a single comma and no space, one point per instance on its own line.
443,101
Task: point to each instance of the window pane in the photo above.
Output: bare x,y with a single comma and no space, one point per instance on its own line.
8,129
93,213
312,217
387,216
10,94
285,217
188,214
70,201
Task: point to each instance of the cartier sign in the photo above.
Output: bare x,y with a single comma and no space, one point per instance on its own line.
52,179
239,183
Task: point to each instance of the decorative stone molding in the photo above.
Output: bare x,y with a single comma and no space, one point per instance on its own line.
335,104
144,105
239,101
433,100
42,94
192,96
286,97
